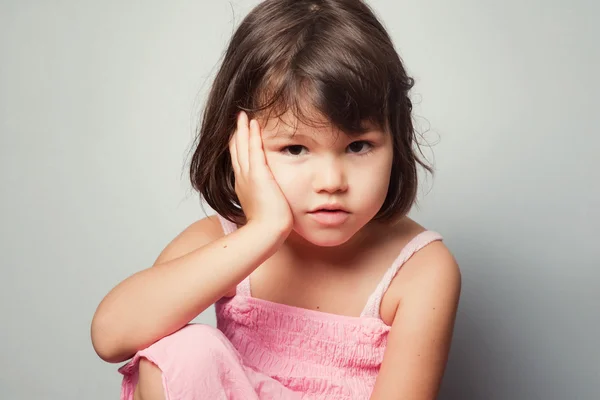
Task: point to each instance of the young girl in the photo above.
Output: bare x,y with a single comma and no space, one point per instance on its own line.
324,288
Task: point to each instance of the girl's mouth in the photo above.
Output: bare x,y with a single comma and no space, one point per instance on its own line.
329,217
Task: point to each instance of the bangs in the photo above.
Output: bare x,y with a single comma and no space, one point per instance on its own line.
323,87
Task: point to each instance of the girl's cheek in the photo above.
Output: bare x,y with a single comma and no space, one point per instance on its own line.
284,174
269,156
289,179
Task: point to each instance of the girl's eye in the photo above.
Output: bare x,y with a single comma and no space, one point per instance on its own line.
360,147
294,150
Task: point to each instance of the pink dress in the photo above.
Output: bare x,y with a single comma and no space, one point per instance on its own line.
265,350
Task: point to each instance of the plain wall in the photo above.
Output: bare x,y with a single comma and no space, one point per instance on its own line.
98,106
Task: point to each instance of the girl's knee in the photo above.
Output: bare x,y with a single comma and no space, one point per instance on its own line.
197,343
195,353
149,385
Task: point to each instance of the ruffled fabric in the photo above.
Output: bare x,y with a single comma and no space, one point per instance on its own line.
197,363
322,355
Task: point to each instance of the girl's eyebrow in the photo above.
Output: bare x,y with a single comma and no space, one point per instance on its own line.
286,135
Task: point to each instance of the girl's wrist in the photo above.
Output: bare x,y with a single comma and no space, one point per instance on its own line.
273,233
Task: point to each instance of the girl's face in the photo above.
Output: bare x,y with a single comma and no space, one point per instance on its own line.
322,167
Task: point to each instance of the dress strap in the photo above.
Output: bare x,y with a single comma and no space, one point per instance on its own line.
243,288
228,226
416,244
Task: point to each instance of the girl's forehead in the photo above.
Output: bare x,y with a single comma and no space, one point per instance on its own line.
323,131
290,120
290,125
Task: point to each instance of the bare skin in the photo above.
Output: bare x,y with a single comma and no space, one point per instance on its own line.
149,385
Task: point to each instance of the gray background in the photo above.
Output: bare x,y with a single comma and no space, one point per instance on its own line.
98,105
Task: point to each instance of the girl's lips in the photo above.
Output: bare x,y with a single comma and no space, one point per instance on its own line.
329,218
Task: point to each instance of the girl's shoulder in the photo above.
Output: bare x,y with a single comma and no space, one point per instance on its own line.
406,234
425,248
422,257
397,236
194,236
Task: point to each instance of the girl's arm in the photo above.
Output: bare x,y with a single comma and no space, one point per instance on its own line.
196,269
156,302
419,341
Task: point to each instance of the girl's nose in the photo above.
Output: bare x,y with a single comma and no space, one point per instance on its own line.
329,176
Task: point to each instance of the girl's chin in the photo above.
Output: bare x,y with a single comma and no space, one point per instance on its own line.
324,237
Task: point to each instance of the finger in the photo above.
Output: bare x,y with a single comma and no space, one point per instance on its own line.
241,142
233,153
257,154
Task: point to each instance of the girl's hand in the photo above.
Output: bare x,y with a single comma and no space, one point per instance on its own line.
260,196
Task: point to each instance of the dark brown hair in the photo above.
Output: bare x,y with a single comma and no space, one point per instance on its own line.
329,56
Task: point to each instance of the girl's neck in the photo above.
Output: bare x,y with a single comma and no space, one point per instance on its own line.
363,240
